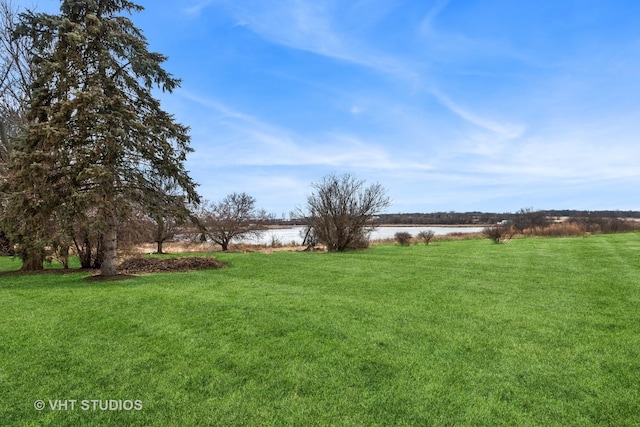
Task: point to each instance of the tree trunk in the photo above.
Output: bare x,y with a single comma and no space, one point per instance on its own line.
64,256
99,258
160,234
108,267
32,261
85,252
4,143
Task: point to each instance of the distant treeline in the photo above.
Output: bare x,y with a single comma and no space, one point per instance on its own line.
450,218
480,218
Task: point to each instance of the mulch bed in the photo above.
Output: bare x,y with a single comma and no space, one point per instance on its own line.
166,265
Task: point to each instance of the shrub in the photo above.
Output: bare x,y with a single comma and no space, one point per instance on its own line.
341,210
498,233
360,241
403,238
426,236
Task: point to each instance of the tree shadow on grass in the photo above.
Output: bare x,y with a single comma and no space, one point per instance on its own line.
46,271
58,277
129,269
98,278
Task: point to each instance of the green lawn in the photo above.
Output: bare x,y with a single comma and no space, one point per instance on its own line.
532,332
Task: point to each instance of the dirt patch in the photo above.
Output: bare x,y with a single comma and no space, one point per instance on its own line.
167,265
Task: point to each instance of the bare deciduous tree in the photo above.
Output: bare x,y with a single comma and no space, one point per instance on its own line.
15,77
166,226
426,236
498,233
168,210
527,218
341,210
234,217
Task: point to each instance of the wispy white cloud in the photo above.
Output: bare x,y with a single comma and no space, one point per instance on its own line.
254,142
533,125
568,155
196,8
501,129
312,26
426,26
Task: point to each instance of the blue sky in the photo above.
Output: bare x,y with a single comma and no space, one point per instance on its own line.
459,105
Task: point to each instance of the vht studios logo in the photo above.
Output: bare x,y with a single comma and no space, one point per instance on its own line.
88,405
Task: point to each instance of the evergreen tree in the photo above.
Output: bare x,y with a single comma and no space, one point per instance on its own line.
96,138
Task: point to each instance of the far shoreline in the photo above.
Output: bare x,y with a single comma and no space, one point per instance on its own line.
281,226
432,225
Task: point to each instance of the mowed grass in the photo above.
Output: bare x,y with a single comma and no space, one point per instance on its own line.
535,332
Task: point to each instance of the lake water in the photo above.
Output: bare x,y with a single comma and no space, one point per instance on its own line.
293,234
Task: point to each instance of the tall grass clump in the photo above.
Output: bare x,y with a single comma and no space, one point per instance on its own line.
607,225
560,229
583,226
